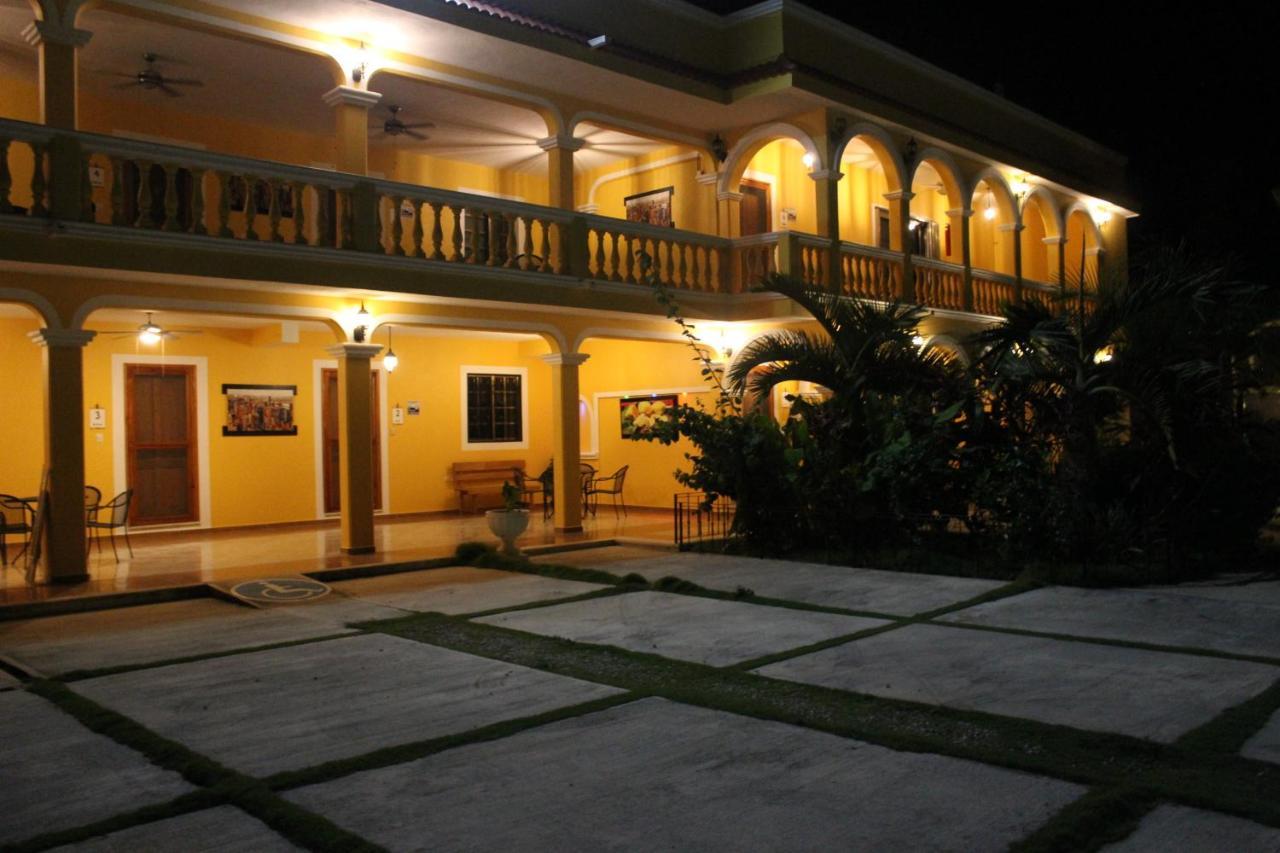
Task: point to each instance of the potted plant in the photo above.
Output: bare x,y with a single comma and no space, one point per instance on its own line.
510,521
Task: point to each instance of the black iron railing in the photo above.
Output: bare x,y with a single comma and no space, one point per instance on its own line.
699,518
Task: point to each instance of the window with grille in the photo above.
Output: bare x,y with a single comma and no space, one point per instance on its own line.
494,406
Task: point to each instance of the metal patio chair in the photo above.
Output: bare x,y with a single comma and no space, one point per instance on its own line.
14,519
117,516
611,485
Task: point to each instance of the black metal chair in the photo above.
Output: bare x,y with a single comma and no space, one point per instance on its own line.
117,516
530,488
611,485
92,500
14,519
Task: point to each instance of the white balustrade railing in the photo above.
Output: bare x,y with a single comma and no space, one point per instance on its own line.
680,259
938,284
870,272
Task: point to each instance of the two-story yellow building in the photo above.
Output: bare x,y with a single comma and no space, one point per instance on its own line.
218,220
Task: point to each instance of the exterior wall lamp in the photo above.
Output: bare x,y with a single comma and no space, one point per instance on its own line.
362,324
390,361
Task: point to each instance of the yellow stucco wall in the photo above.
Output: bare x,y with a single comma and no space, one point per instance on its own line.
692,204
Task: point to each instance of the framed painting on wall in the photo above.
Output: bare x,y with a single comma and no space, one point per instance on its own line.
640,416
652,207
260,410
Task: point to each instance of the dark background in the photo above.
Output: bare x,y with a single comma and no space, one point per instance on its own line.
1190,95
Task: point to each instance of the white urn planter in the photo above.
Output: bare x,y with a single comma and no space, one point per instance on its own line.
507,525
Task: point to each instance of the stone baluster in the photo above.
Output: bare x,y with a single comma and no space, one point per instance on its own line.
455,238
197,202
38,182
273,211
348,214
224,204
299,191
117,191
512,259
171,221
250,206
545,250
322,216
143,219
397,225
437,231
6,177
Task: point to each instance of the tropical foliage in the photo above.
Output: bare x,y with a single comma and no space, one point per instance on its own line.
1112,429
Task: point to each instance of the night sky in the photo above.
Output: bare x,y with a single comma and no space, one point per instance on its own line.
1191,95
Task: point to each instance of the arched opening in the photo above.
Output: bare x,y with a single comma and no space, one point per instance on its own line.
870,174
1082,250
626,174
22,429
936,201
991,226
777,192
1039,240
19,65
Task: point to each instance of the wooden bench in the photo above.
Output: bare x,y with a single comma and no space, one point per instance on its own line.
477,479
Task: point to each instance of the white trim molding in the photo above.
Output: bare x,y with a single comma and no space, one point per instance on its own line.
506,370
119,462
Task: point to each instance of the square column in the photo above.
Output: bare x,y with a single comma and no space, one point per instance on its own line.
960,217
827,186
59,45
560,150
1056,250
729,214
355,444
64,543
565,439
899,234
351,112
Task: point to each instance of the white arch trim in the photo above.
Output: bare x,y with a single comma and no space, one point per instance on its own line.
879,134
1048,206
635,170
43,307
937,155
160,303
545,330
655,133
999,186
625,334
766,133
1081,207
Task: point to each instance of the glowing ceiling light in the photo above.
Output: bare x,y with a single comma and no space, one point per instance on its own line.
149,333
989,214
1101,216
390,361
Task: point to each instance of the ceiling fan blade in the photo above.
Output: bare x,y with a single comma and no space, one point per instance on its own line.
168,90
183,81
420,124
133,76
126,85
416,135
185,332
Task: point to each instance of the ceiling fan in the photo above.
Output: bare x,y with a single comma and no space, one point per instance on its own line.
151,333
150,77
393,126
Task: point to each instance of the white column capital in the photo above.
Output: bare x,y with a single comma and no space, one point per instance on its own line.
62,337
588,208
37,33
826,174
352,96
728,195
905,195
960,211
1095,251
707,177
352,351
566,359
562,141
1053,241
1011,226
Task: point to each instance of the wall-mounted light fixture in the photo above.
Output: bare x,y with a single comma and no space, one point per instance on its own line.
361,66
390,361
989,212
1101,216
718,149
1020,185
808,160
362,324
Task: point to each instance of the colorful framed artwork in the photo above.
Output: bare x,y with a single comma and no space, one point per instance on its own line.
260,409
652,207
640,416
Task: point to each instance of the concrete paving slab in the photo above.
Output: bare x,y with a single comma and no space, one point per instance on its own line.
338,610
686,627
1265,745
224,829
1136,616
288,708
604,558
678,777
1189,830
1247,589
149,633
1155,695
57,774
896,593
460,590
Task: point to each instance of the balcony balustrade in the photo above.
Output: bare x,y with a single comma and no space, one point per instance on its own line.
113,182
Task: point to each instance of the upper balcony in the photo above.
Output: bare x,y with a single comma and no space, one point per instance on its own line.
510,191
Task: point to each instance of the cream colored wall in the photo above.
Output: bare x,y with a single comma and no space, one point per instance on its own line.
692,204
617,366
22,401
860,190
792,186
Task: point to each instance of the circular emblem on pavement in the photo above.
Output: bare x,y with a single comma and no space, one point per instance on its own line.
280,590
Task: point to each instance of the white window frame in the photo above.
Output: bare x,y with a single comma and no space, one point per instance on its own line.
523,372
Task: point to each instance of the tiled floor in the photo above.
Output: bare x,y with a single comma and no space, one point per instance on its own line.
205,556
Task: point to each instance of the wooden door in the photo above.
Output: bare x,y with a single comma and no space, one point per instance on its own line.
756,208
329,441
160,442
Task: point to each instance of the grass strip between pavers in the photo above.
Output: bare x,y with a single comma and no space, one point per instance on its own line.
83,674
247,793
1227,732
193,801
1223,783
1100,817
402,753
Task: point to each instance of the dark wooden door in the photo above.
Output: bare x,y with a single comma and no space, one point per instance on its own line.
756,208
160,440
329,441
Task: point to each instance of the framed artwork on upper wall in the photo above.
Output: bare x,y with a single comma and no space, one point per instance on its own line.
260,409
652,207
